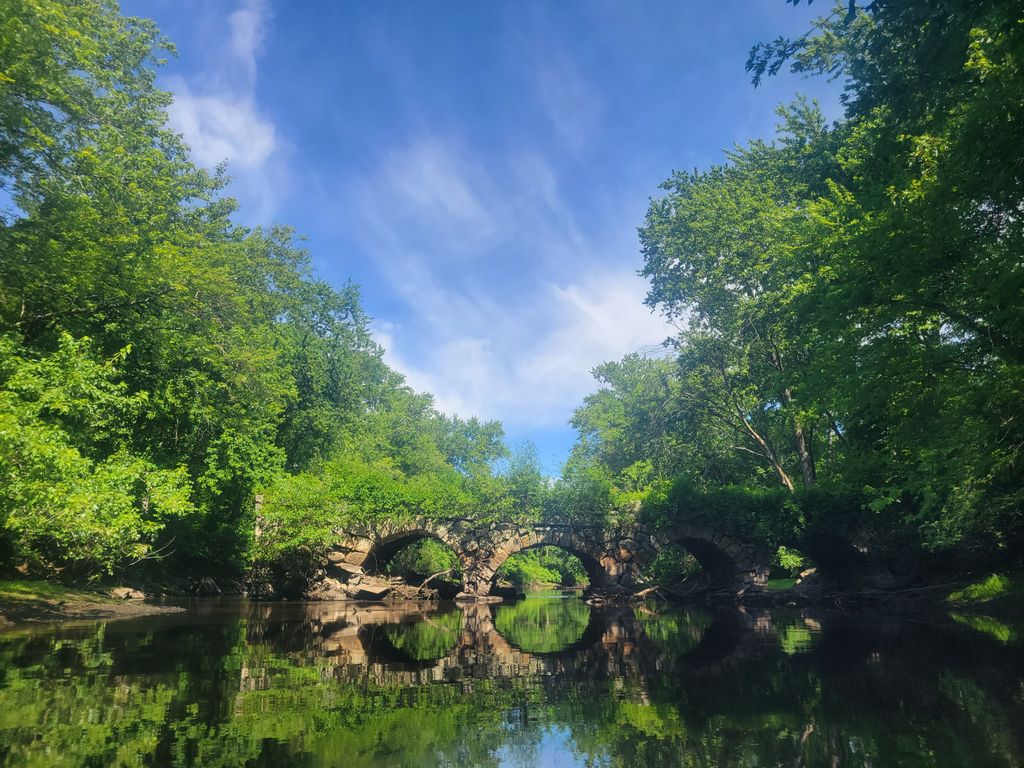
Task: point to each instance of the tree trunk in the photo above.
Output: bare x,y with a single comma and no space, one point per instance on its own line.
762,444
803,450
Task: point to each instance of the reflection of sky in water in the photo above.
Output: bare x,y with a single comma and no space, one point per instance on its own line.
553,750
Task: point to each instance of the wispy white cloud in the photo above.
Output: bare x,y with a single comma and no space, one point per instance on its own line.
531,379
571,103
218,114
247,24
428,175
511,327
220,127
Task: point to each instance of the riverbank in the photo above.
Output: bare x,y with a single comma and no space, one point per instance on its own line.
991,604
42,601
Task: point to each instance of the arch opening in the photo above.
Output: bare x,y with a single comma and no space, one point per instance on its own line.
716,564
411,553
548,565
674,566
789,567
841,563
415,557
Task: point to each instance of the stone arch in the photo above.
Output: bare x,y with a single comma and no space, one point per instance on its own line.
480,575
370,549
611,557
723,557
843,557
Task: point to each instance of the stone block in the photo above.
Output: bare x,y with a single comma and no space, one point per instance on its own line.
356,558
352,569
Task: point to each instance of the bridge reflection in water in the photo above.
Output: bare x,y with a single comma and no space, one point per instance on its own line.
416,644
539,682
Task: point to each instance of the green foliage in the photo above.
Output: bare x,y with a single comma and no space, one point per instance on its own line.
424,558
543,565
849,301
789,560
160,365
672,565
996,586
73,498
765,514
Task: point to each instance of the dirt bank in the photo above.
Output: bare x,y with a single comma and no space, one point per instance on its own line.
38,601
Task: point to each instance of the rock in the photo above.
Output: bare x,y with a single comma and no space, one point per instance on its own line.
208,587
349,568
329,589
507,592
127,593
371,589
805,574
465,597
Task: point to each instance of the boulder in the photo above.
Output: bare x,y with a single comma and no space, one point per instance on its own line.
127,593
371,589
329,589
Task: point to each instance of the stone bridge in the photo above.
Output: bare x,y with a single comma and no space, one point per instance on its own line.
617,556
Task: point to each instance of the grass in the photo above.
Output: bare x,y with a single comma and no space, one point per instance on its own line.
996,587
780,584
44,590
30,599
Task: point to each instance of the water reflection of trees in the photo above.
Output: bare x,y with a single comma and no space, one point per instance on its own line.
543,625
432,637
312,686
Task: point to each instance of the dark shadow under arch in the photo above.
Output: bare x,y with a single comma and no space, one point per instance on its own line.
836,558
714,560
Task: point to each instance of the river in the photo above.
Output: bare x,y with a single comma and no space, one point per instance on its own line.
547,681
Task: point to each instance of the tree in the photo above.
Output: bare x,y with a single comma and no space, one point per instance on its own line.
727,253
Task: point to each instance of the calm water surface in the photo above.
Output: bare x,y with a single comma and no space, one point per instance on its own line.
544,682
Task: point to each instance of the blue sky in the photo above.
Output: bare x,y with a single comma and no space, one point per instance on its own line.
478,168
